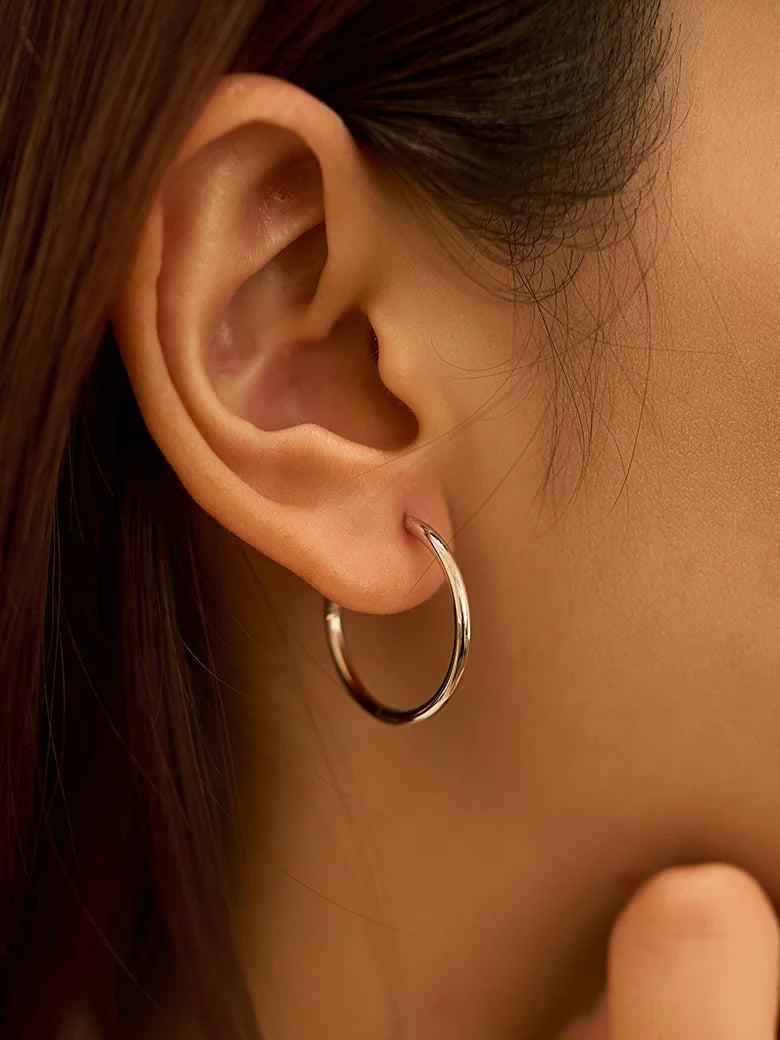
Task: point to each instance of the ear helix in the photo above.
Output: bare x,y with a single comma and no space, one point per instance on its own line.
460,649
247,325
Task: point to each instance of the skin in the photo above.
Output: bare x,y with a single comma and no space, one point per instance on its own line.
619,714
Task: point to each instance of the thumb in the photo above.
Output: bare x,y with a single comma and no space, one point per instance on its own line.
694,955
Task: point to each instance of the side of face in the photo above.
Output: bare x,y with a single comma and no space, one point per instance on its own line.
316,356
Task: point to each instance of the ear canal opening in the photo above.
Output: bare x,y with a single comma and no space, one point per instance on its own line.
277,380
260,359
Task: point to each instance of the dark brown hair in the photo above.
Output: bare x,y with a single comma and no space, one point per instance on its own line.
511,116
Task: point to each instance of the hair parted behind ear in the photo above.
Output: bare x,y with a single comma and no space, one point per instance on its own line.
114,758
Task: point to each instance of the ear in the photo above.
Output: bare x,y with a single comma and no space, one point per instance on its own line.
267,355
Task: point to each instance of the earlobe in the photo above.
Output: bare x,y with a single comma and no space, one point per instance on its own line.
247,326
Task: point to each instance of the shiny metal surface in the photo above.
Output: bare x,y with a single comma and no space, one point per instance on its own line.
460,649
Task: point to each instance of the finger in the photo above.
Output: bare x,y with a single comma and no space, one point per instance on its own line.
694,956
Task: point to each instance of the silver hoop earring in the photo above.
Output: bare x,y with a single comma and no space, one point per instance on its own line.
460,649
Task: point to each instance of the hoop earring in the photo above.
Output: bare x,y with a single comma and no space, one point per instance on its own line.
460,649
